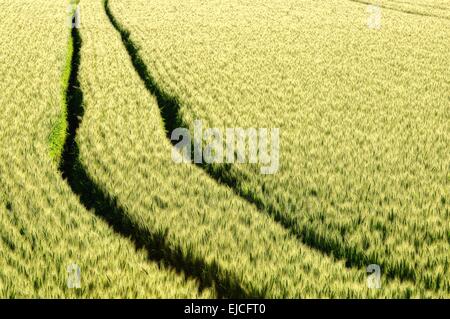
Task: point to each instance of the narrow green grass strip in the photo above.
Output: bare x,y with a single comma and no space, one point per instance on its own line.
58,134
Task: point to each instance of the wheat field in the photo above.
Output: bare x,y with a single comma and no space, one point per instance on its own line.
87,175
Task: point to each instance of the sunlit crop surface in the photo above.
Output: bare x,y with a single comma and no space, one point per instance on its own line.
359,89
363,113
44,229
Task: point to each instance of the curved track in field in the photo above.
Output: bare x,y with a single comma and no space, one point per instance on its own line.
94,198
411,12
422,5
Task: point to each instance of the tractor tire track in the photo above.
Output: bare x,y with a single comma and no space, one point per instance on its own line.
94,198
405,11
